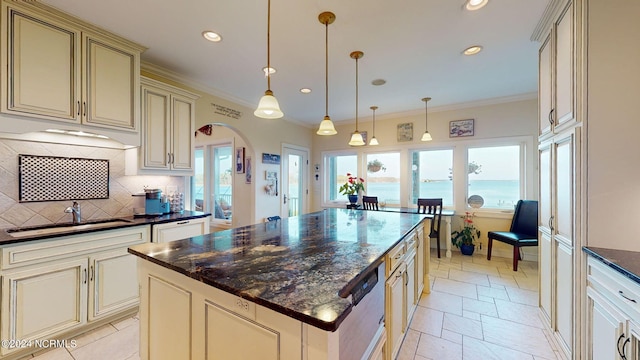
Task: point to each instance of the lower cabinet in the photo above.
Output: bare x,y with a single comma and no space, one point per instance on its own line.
407,266
55,287
180,229
613,315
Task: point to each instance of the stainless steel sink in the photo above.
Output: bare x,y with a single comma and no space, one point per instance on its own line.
61,228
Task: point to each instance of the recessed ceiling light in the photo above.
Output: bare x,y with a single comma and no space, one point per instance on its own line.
475,4
472,50
378,82
305,90
271,71
212,36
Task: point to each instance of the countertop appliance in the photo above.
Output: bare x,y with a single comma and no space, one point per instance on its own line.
153,204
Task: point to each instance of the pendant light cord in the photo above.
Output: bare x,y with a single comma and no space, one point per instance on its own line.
268,45
326,69
356,93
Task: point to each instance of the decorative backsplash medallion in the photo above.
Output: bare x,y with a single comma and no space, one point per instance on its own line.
52,178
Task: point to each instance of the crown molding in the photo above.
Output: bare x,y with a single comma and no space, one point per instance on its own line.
450,107
552,11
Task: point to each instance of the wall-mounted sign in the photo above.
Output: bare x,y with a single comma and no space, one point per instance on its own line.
270,158
225,111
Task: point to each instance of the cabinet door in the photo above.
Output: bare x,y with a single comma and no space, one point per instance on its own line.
41,302
564,187
110,86
564,89
546,271
41,72
396,310
564,293
155,118
545,88
113,284
605,328
546,187
183,120
410,285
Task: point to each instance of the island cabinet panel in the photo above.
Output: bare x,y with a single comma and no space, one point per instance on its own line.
41,302
167,328
396,310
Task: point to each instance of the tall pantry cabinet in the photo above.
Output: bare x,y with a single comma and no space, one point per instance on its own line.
559,156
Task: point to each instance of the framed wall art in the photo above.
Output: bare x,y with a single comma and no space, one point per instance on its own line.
405,132
239,160
248,171
460,128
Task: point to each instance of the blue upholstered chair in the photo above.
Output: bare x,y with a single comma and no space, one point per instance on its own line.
523,232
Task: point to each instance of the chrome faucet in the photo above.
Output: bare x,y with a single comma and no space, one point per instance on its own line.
75,211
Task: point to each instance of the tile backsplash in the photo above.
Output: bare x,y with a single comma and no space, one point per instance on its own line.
121,187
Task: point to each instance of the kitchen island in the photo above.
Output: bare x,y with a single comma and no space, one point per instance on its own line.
286,289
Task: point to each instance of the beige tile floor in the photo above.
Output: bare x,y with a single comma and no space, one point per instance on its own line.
477,309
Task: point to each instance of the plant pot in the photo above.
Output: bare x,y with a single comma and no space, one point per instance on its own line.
374,168
467,249
353,199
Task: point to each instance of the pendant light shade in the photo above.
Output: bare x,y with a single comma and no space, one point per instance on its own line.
268,107
326,126
426,136
356,137
373,140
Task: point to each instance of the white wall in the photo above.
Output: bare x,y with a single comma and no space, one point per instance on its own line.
492,122
613,144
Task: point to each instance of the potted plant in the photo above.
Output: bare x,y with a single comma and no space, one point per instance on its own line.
465,237
375,166
352,187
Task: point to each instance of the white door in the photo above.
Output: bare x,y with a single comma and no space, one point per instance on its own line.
295,189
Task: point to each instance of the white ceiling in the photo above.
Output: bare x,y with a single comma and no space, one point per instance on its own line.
415,45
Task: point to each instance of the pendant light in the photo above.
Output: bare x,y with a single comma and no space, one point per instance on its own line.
268,107
373,140
356,137
426,136
326,126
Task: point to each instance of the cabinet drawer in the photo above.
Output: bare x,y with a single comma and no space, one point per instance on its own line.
41,251
394,257
623,292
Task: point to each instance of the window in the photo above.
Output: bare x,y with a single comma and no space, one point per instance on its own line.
212,179
432,175
493,173
383,177
337,168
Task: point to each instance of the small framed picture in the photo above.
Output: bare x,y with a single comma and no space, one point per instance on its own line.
460,128
247,169
239,160
405,132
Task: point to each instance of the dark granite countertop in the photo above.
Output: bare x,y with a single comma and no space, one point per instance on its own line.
625,262
297,266
6,238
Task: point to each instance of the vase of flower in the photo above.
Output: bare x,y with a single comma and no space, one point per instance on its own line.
352,188
465,237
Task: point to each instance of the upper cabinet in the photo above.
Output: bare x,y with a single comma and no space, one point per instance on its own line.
556,75
168,125
55,67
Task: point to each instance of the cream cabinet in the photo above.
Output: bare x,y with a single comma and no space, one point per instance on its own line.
180,229
558,157
56,67
613,314
556,75
406,276
61,286
168,118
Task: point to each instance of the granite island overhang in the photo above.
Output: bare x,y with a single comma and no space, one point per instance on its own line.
302,267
